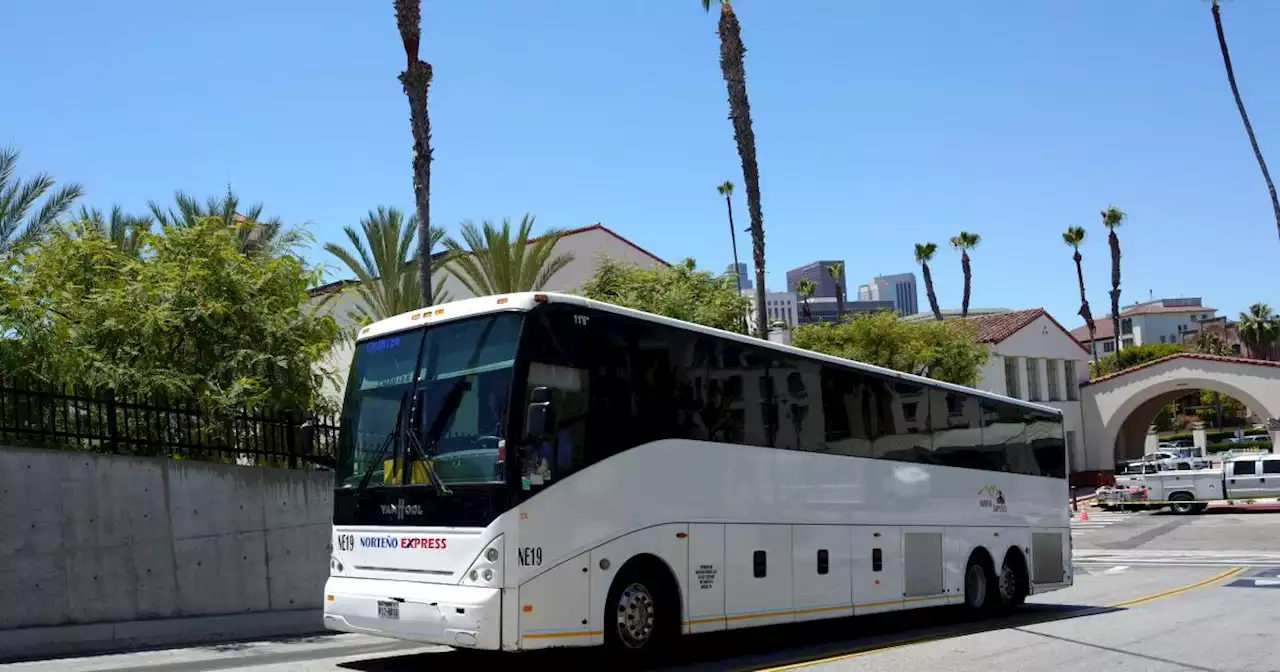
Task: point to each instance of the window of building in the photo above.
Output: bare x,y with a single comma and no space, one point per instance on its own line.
1073,383
1109,346
1126,326
1011,386
1033,379
1051,373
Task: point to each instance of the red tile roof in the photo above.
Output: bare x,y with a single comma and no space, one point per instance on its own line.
1104,330
998,327
1184,355
342,284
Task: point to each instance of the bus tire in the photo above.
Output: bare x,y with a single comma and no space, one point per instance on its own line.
981,595
1182,503
642,610
1014,581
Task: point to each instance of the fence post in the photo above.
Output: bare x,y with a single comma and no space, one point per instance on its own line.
113,444
307,433
291,437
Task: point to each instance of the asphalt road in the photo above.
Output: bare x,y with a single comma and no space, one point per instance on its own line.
1134,607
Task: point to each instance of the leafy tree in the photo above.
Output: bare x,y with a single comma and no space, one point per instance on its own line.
381,259
924,255
1137,354
947,351
964,242
191,318
253,234
733,69
17,229
125,231
496,261
416,81
679,291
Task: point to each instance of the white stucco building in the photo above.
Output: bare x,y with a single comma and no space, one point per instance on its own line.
587,245
1034,358
779,307
1158,321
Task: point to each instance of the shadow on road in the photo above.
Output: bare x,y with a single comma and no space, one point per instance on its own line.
760,647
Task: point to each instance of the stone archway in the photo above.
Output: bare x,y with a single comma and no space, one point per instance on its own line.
1118,408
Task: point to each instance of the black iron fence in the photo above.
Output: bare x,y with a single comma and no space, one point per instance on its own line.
40,415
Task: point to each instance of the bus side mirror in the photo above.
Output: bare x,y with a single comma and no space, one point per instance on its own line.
539,417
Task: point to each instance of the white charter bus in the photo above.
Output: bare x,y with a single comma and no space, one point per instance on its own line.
541,470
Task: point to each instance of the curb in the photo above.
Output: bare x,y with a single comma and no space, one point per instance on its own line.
103,638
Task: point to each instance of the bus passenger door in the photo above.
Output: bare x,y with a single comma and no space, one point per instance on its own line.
706,578
877,569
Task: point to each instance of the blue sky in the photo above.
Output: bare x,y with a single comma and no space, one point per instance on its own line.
879,124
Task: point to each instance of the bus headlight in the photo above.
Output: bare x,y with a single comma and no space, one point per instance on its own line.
491,555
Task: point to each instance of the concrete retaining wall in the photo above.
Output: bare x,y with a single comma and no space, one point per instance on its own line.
144,545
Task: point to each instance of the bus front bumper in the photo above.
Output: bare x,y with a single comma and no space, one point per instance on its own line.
432,613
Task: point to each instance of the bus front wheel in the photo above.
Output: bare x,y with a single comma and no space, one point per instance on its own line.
642,611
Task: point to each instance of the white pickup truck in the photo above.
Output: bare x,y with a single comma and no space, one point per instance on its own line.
1242,478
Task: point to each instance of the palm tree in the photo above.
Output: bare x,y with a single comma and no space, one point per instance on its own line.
836,272
254,234
1112,217
1244,116
1073,237
416,81
805,289
17,229
1260,330
924,254
726,190
381,260
125,231
964,242
734,71
495,261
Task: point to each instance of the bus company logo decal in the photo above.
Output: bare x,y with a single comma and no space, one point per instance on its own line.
429,543
379,542
400,509
991,497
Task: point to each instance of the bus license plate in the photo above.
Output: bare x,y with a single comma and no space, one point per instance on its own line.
389,610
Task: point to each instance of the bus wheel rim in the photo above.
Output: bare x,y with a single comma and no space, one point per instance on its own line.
1008,583
977,588
636,616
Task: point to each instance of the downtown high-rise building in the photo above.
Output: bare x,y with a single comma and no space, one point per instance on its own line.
900,289
744,277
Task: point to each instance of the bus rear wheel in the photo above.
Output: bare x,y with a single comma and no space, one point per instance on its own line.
641,612
1014,582
981,587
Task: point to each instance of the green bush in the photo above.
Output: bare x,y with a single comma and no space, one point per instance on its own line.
1212,436
1264,446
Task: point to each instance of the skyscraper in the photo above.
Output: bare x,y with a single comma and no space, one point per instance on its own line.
817,272
744,278
899,288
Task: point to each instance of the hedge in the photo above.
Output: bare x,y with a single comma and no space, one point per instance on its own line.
1211,435
1264,446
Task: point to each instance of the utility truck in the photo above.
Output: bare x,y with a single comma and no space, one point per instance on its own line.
1243,478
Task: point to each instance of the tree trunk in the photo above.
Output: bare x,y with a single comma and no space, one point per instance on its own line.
839,299
733,240
1114,241
928,290
1244,116
968,277
733,68
416,80
1086,313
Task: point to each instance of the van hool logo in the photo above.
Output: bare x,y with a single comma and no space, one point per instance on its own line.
400,510
992,498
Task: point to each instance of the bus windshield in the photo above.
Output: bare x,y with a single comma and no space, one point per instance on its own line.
448,416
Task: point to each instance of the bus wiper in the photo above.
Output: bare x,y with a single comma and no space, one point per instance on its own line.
427,452
387,442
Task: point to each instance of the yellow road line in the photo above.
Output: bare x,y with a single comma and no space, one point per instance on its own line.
1178,591
931,638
